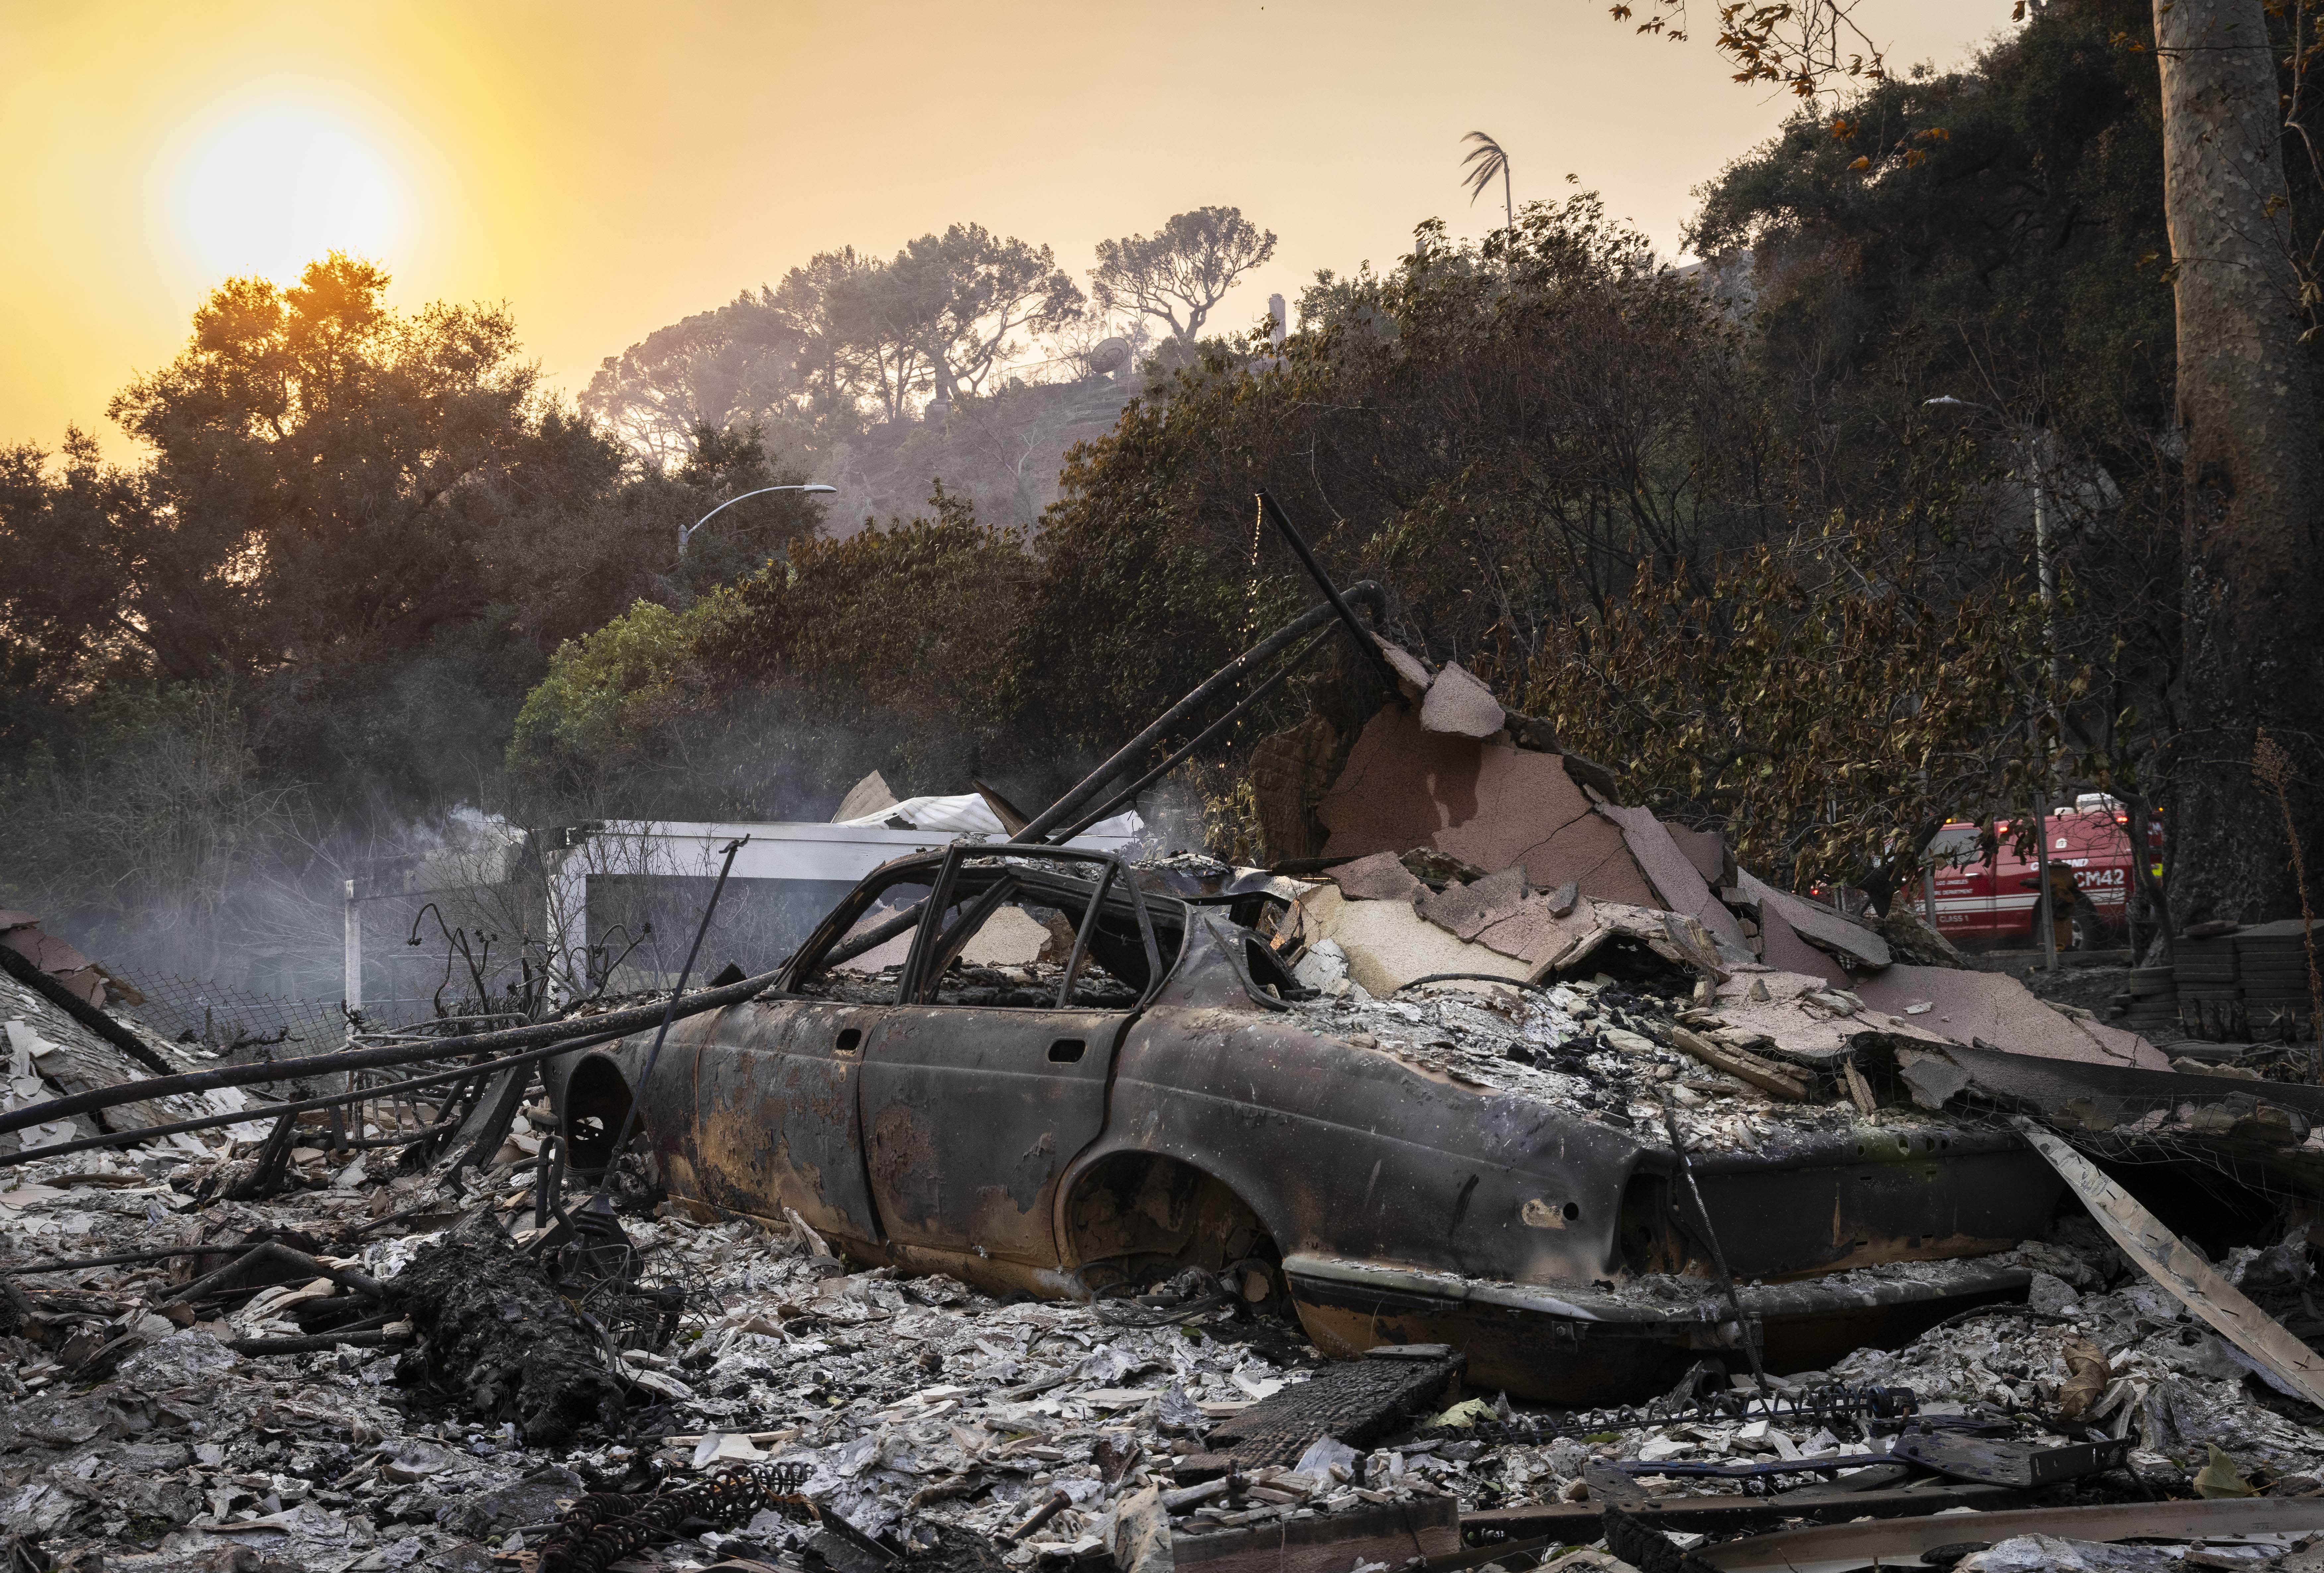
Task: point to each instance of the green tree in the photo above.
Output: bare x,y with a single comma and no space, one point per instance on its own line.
893,648
338,512
2235,86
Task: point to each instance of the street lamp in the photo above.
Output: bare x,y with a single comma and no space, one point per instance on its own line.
686,531
2049,586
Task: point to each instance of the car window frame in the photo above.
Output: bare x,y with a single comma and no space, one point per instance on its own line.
916,987
807,962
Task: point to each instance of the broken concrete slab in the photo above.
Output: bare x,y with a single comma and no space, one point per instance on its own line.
1931,1077
1459,704
1468,910
1410,674
1965,1006
1675,877
1781,947
1707,850
1380,877
1536,931
1486,803
1388,945
1856,945
1628,941
1530,815
1797,1016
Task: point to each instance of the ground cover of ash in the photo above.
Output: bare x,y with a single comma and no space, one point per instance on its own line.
915,1405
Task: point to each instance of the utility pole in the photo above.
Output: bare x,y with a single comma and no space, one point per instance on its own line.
2046,577
2049,585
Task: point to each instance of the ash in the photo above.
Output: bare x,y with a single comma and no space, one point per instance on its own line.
917,1404
1598,1050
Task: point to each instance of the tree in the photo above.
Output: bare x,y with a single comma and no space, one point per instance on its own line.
1190,262
877,328
2249,469
2008,263
1500,434
2254,481
943,312
972,293
329,520
750,360
893,650
1485,161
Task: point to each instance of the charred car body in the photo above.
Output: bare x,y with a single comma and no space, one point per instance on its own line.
1155,1096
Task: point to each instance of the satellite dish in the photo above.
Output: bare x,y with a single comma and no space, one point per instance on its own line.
1110,355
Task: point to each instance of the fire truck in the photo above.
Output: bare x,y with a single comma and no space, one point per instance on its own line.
1994,900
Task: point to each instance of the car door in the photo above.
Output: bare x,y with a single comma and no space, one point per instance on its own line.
778,1123
779,1112
972,1108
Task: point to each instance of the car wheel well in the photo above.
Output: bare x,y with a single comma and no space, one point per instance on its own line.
1134,1219
596,1100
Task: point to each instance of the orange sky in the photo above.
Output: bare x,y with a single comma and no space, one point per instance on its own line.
606,169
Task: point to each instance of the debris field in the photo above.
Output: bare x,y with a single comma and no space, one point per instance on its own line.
479,1299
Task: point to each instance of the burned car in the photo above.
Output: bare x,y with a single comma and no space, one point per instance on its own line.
1154,1092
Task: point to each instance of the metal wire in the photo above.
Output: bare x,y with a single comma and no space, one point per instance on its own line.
1815,1406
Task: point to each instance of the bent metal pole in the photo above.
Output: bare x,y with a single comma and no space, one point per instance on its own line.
506,1040
263,1112
1313,617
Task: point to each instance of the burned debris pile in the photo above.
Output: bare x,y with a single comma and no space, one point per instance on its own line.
498,1340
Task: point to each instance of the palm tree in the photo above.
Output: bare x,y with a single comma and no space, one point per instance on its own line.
1485,161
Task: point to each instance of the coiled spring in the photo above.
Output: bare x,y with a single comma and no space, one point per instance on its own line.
605,1526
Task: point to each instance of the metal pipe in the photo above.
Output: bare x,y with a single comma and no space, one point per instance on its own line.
1127,795
872,938
1365,640
1080,792
620,1024
246,1116
1081,935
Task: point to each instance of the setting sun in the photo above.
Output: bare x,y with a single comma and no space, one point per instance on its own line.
268,191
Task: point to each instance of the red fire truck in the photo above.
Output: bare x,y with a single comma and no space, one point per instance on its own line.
1993,900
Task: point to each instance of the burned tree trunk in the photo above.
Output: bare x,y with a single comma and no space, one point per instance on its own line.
2254,483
